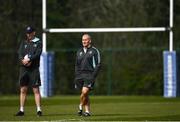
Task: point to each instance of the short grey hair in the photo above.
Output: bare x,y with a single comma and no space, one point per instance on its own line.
87,35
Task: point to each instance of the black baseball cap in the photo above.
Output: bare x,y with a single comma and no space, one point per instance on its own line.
29,29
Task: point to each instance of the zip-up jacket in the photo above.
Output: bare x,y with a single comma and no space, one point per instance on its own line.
33,50
87,63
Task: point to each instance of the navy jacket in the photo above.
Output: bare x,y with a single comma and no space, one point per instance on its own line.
33,49
87,64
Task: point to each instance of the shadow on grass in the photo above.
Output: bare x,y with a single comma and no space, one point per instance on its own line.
101,117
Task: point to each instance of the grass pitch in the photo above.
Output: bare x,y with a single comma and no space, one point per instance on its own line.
104,108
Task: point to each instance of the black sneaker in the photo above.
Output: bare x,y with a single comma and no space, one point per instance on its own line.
20,113
80,112
39,113
86,114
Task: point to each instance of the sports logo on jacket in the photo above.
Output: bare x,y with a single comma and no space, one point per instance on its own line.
80,53
90,52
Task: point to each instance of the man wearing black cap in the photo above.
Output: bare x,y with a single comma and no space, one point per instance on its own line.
29,57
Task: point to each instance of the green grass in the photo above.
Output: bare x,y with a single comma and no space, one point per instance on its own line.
104,108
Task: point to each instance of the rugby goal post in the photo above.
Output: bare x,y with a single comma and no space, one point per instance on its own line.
169,56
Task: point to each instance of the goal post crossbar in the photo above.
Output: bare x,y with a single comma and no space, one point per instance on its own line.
138,29
133,29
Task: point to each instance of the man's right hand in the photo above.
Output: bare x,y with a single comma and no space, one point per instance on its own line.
26,62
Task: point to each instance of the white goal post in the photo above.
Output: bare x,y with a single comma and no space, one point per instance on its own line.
170,73
133,29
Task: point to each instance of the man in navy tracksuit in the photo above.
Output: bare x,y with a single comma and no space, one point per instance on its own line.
29,57
86,69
